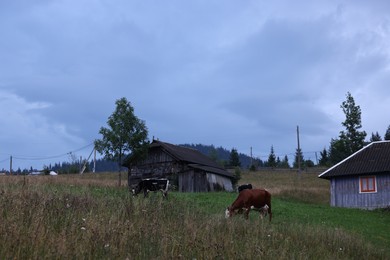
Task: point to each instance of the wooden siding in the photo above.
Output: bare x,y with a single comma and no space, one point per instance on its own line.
345,193
219,181
160,164
192,181
156,165
196,180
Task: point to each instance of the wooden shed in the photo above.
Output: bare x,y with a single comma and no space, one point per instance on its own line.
186,168
363,179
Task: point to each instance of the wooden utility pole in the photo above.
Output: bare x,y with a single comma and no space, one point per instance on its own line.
251,157
10,165
94,160
299,152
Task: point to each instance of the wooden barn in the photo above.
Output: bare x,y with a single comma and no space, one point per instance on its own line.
186,168
363,179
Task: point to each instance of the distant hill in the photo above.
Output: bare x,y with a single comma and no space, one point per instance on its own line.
222,155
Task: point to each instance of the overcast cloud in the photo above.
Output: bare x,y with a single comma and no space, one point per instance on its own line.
236,74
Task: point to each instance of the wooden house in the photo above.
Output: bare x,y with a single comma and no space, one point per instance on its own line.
363,179
188,169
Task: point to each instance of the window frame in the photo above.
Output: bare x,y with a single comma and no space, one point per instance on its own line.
364,184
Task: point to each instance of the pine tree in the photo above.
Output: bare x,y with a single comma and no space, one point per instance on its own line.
234,158
354,139
375,137
350,140
387,134
324,160
284,163
271,158
298,154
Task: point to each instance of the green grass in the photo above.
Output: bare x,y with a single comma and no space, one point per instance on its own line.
372,226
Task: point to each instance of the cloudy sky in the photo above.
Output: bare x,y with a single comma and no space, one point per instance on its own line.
236,74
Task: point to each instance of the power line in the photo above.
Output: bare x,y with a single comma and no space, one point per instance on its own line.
37,158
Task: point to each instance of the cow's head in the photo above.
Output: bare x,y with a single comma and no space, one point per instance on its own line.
135,190
228,213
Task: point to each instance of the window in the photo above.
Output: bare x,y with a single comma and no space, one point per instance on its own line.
367,184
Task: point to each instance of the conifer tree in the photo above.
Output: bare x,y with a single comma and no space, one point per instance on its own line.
387,134
299,154
324,160
234,158
271,158
375,137
351,140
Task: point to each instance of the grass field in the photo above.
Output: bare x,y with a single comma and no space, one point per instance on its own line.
88,216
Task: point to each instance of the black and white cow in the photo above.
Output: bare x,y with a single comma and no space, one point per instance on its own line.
147,185
244,187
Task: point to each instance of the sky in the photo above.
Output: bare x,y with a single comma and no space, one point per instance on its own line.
233,74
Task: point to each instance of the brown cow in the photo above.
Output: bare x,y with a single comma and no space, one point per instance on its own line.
256,199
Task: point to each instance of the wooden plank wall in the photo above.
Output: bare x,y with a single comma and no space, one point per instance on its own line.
345,193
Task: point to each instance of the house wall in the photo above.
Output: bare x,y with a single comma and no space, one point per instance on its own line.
345,193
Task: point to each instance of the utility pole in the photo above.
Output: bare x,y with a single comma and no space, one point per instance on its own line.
94,160
299,152
10,165
251,158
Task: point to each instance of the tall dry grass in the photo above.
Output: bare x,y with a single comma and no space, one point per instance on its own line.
305,187
50,218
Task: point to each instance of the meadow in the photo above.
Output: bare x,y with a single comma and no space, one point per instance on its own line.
88,216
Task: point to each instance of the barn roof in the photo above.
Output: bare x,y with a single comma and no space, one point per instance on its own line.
371,159
194,158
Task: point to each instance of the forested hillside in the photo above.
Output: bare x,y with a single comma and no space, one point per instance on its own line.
222,155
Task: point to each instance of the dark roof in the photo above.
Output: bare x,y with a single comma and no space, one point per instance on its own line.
371,159
193,157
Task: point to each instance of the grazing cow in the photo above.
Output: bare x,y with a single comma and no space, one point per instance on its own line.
256,199
147,185
244,187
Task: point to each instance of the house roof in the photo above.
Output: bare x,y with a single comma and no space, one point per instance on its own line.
193,157
371,159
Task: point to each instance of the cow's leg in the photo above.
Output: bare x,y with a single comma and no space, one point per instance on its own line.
247,210
164,193
264,211
146,191
270,213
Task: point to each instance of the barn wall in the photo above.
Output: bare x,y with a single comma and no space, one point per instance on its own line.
345,193
157,165
199,181
193,181
218,182
160,164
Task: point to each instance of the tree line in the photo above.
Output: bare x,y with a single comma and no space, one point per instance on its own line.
349,140
126,139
